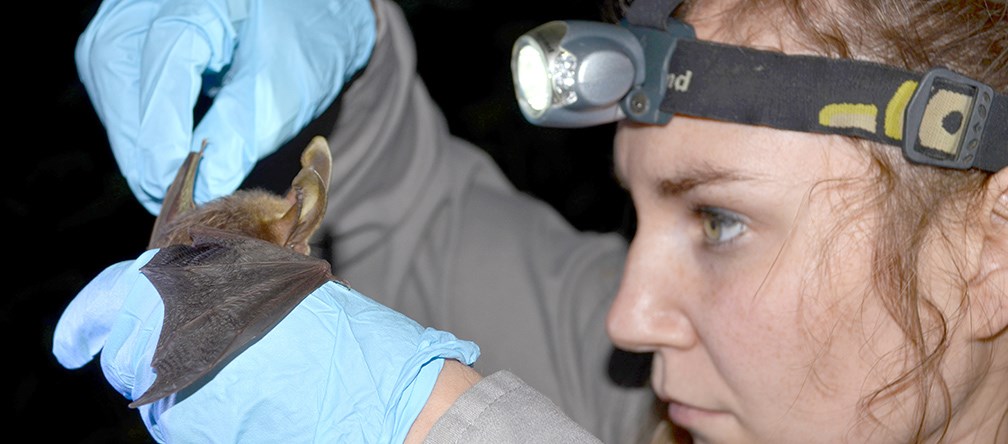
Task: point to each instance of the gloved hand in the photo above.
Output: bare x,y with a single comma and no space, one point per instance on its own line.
339,368
270,66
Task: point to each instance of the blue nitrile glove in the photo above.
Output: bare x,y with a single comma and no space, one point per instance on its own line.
270,66
339,368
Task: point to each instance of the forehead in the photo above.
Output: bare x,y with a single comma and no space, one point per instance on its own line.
686,145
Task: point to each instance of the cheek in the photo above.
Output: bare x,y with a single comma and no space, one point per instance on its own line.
751,331
803,338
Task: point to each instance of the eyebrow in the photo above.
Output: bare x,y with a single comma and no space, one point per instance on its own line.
688,180
685,181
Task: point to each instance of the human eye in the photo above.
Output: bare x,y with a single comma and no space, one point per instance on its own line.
720,226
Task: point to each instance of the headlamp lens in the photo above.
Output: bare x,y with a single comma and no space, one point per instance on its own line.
533,78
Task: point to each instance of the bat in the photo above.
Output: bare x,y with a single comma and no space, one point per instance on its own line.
231,269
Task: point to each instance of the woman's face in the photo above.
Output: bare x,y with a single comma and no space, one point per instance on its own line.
750,276
725,281
751,279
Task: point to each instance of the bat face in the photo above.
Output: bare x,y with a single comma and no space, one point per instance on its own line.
228,271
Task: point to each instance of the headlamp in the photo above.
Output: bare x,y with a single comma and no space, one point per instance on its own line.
579,73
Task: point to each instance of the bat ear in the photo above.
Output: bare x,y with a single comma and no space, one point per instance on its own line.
318,157
178,200
308,196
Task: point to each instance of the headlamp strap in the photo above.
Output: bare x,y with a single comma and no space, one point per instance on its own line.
939,118
651,13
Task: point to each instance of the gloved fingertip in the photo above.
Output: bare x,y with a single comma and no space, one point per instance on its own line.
85,324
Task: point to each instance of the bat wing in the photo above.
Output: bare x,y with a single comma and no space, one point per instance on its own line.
220,295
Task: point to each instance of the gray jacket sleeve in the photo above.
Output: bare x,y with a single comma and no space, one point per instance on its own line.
500,409
427,224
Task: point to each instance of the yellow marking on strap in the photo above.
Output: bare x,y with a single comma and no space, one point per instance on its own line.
932,133
895,109
849,115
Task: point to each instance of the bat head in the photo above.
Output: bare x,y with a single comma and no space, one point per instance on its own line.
288,220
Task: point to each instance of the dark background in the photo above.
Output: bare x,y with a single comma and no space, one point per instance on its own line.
69,213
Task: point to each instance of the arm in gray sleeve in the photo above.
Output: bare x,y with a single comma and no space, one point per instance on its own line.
428,225
501,409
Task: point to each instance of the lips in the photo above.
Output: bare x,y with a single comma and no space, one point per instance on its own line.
685,413
690,416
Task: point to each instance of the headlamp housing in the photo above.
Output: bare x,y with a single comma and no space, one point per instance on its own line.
581,73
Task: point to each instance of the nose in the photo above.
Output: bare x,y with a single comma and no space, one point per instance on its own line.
650,308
